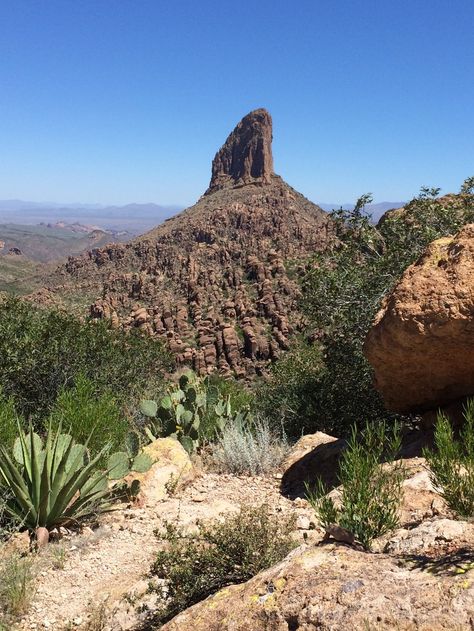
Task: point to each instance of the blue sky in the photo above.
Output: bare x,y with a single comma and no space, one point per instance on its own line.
116,101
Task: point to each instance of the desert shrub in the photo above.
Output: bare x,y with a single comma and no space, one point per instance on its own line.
17,589
84,412
452,462
8,421
245,448
42,351
232,551
290,392
371,491
345,285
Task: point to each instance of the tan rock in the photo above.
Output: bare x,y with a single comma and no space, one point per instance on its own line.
421,345
333,588
172,466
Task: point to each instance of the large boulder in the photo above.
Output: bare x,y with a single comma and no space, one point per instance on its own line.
421,345
334,587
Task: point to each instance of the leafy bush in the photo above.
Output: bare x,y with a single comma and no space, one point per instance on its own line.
85,413
8,421
345,286
249,449
52,484
290,391
222,554
43,351
371,492
452,463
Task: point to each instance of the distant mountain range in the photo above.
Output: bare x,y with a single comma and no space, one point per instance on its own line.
134,218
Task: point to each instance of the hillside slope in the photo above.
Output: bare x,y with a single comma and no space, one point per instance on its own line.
218,280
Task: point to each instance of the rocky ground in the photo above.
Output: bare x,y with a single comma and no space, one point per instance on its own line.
418,577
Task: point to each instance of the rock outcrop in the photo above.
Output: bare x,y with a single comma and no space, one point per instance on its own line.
421,345
334,587
246,156
218,282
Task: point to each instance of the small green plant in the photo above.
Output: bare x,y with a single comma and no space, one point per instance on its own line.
17,577
452,462
84,412
54,483
179,412
193,411
121,463
58,555
222,554
249,448
371,492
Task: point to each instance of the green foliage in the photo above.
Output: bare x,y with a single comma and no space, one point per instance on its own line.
222,554
249,447
194,410
8,421
121,463
54,483
452,463
371,492
290,391
43,351
345,287
84,412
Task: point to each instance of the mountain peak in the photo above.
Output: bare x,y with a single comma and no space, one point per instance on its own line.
246,156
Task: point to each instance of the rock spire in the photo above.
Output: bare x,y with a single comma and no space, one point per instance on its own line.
246,156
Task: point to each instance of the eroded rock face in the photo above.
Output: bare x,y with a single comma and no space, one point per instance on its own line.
218,282
421,345
246,156
333,587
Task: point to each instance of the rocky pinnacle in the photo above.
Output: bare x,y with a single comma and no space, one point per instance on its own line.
246,156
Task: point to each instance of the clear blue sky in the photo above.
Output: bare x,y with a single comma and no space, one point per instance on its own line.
114,101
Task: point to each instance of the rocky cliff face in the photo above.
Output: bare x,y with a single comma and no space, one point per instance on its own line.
218,281
246,156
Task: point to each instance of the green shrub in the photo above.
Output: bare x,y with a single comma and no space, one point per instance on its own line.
452,462
8,421
371,492
52,484
43,351
343,290
223,553
84,412
249,448
289,392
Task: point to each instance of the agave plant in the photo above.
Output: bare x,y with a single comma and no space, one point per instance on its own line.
52,483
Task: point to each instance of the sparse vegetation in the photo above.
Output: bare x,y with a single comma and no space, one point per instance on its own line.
452,462
17,576
372,491
249,448
222,554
